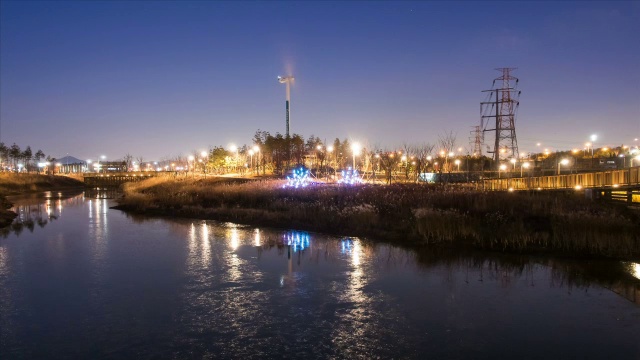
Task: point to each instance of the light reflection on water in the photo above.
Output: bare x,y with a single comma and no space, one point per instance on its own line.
99,283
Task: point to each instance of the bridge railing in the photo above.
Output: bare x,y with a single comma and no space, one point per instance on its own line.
625,177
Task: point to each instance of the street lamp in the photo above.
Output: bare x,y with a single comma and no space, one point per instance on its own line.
562,162
513,161
524,165
191,164
355,149
102,157
234,149
319,149
256,150
502,167
593,140
637,158
457,162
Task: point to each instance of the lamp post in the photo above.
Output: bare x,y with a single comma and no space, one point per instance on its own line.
524,165
502,167
318,150
99,166
234,149
355,150
329,151
637,158
592,143
562,162
457,162
256,149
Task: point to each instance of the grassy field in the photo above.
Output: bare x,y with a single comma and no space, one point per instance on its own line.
407,214
13,184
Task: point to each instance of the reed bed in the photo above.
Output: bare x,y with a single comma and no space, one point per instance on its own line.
404,213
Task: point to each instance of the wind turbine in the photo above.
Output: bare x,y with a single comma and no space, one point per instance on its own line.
287,80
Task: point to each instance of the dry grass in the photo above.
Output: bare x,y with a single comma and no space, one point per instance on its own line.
11,183
411,214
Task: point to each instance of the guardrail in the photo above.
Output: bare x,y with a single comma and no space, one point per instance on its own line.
112,179
615,178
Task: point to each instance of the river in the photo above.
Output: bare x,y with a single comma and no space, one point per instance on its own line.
79,280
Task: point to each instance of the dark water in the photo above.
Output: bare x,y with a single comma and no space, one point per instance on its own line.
81,281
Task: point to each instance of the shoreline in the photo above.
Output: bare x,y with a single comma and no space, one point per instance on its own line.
18,184
406,215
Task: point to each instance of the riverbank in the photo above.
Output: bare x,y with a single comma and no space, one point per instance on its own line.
410,214
14,184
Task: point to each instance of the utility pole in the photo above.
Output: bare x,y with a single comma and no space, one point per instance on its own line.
503,110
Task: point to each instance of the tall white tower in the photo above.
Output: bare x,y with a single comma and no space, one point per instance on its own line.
287,80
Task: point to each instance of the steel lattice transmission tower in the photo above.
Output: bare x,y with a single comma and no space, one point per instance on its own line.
502,106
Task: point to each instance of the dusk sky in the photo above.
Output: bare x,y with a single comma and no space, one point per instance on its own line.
160,79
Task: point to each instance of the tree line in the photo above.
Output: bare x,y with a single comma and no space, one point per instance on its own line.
12,158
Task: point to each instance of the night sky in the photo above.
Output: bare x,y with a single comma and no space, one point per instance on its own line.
160,79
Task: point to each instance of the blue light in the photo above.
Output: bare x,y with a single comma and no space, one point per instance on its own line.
350,177
345,246
297,240
299,178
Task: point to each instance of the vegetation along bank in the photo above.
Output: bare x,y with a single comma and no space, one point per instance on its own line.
14,184
406,214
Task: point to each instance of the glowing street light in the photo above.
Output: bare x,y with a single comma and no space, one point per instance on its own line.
256,150
524,165
355,149
513,161
457,162
564,162
502,167
234,149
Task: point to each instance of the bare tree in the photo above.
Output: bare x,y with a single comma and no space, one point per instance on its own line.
140,160
447,143
423,158
127,160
